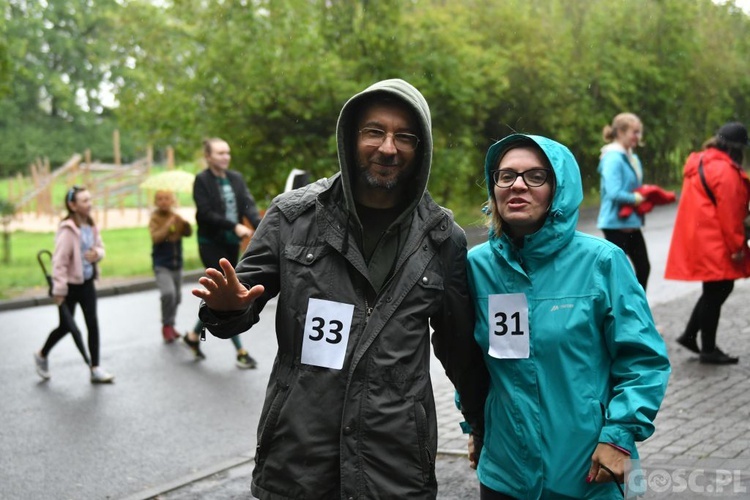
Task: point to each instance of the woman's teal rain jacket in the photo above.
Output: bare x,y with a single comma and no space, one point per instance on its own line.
597,370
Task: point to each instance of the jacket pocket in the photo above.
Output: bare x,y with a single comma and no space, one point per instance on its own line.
431,280
426,295
598,415
310,270
426,454
306,255
271,417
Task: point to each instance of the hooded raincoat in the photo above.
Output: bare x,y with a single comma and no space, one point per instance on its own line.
705,234
366,429
596,369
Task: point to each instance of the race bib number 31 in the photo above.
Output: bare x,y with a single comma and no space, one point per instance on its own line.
509,326
326,335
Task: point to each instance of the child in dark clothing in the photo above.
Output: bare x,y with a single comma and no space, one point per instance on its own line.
167,229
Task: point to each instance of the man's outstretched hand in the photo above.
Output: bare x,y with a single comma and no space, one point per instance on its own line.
224,292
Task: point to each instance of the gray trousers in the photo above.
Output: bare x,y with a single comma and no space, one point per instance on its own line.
170,287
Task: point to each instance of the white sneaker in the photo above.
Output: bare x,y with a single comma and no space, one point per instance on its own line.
99,376
42,368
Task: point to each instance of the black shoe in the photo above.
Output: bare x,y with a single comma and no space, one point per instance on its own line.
195,346
717,357
688,343
245,361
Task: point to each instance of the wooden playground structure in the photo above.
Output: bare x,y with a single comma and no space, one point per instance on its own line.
113,186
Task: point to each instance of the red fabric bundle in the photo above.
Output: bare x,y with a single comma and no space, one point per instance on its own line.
652,195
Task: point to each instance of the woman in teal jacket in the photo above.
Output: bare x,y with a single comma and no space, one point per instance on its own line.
578,371
621,175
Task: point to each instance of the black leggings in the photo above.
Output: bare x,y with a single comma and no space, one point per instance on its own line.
634,246
84,294
487,494
211,253
705,316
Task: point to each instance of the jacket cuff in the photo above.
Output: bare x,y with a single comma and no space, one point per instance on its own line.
225,324
618,437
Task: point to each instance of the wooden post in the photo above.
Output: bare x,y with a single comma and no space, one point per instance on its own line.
116,143
170,158
149,158
35,179
47,195
87,172
19,190
105,206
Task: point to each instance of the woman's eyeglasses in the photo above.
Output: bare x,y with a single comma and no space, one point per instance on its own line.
534,177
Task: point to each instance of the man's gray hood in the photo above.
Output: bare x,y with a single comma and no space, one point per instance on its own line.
346,134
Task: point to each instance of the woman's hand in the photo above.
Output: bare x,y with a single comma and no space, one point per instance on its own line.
91,255
472,455
243,231
606,455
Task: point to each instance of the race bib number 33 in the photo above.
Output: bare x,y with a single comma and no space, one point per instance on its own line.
508,326
326,335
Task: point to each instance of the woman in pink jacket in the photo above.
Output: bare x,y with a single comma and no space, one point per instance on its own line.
78,247
709,242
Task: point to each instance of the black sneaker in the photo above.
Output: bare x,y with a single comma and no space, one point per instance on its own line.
245,361
195,346
717,357
688,343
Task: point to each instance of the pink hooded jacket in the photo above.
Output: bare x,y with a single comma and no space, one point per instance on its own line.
67,261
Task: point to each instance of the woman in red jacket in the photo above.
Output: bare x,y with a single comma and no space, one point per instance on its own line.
708,242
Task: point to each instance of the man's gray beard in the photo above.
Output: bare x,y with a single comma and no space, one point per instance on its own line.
376,182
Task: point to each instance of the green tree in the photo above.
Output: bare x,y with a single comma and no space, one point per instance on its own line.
61,63
270,77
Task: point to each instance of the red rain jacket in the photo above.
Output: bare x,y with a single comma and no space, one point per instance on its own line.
706,235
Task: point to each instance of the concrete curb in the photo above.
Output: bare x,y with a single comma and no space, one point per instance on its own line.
156,491
126,286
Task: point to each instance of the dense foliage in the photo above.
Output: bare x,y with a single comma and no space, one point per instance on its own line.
271,76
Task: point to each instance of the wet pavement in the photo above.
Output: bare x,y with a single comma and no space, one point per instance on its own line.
701,447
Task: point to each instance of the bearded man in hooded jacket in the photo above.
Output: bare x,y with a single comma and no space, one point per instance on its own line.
365,264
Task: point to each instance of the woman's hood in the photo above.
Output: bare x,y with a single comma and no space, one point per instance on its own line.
562,216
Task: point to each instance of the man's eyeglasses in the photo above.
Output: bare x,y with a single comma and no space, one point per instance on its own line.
534,177
375,137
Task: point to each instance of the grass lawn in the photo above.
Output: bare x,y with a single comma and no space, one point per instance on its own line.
128,255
